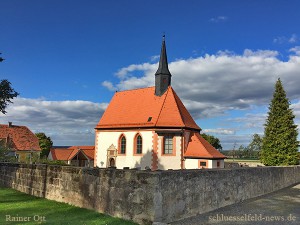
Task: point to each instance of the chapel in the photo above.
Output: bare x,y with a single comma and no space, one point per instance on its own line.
150,128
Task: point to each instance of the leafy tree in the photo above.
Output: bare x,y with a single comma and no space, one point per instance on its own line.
256,143
255,146
7,93
280,145
45,144
214,141
3,150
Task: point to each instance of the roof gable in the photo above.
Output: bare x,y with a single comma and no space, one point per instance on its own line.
174,113
19,137
133,108
69,153
198,147
61,153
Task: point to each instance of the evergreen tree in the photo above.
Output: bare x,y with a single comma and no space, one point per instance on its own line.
280,145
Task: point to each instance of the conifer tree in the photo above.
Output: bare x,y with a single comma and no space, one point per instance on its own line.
280,145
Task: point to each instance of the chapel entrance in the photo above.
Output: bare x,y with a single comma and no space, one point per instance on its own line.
112,162
111,156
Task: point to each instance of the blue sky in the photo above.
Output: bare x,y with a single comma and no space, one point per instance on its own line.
67,58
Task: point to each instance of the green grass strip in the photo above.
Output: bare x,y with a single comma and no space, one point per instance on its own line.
19,208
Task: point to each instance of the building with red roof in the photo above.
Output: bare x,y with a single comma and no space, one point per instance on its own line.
151,128
82,156
21,142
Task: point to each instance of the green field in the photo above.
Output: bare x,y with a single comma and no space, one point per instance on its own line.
27,209
242,160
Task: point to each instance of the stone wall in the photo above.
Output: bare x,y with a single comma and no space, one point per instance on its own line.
146,196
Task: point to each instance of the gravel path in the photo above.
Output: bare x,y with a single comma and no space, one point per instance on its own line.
281,207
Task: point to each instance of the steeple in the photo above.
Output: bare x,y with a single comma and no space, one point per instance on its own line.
162,75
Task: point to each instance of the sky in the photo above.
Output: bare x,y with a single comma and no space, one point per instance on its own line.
67,58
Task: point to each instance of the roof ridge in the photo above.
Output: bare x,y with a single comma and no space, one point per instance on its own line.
82,151
176,99
162,106
135,89
72,152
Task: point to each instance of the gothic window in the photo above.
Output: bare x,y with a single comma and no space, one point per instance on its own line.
139,144
122,145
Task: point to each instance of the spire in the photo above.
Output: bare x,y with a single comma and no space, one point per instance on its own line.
163,62
162,75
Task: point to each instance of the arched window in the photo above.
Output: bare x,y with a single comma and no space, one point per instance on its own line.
122,145
138,144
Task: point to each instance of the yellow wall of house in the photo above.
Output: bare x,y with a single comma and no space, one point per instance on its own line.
24,156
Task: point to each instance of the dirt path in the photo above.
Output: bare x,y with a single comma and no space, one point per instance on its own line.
281,207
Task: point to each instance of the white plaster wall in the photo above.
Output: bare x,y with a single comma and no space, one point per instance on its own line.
191,163
169,162
194,163
214,163
106,138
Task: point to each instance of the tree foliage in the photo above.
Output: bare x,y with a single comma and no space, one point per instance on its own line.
7,93
3,150
247,152
45,144
280,145
214,141
256,143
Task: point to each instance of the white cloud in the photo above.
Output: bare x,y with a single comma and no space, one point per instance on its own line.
154,58
296,109
218,19
283,39
210,85
296,50
66,122
293,39
109,85
219,131
126,71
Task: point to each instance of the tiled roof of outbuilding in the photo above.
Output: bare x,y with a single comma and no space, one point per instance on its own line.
69,153
198,147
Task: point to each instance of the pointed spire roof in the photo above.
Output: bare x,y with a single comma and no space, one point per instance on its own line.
163,62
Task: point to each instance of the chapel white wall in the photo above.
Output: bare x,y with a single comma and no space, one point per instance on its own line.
169,161
104,139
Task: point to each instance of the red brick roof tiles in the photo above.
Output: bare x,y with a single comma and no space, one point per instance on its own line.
61,153
133,109
19,137
69,153
198,147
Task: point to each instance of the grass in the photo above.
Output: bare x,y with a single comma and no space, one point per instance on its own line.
42,211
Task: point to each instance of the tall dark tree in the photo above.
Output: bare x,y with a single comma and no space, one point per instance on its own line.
45,144
7,93
280,144
214,141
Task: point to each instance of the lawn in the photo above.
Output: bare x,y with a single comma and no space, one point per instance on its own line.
27,209
242,160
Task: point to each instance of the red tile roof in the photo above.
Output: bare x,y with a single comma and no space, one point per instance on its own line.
69,153
198,147
61,153
133,109
19,137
